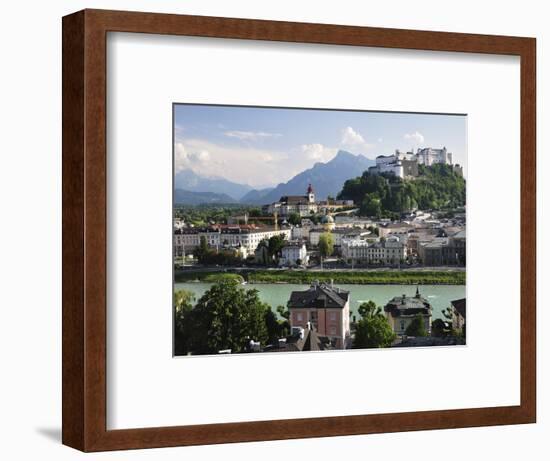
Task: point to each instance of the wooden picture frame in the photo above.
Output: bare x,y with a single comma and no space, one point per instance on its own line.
85,222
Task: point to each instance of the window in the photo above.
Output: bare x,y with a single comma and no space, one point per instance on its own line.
299,317
332,316
332,331
402,324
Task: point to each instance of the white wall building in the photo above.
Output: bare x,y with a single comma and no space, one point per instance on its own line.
355,250
189,239
300,232
338,234
428,156
405,164
389,164
294,253
389,252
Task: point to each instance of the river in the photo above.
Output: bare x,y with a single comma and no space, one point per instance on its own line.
275,294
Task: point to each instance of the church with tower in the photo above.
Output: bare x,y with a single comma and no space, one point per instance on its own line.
304,205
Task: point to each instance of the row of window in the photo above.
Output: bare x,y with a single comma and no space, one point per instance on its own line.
299,316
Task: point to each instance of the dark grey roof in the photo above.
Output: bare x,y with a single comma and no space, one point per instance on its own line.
402,306
311,341
397,225
319,296
460,306
294,199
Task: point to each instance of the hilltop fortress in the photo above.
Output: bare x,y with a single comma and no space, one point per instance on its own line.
405,164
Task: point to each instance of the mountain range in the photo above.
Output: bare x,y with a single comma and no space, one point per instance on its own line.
190,181
186,197
326,178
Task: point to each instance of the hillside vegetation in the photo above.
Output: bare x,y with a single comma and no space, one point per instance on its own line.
437,187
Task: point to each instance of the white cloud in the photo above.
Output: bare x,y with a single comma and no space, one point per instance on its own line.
318,153
351,137
354,141
246,165
416,137
250,135
195,159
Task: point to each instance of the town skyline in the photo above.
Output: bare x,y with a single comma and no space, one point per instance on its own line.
235,142
361,244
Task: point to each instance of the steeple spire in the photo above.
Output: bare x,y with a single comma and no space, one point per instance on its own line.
417,292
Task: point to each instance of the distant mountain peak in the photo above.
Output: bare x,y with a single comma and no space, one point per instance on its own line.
344,153
326,179
186,197
190,181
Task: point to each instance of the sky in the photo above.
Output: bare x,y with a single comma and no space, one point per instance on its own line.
262,147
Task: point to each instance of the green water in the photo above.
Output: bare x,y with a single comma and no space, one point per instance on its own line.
439,296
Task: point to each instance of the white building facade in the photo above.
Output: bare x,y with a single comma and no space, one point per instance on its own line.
186,240
389,252
293,254
429,156
405,164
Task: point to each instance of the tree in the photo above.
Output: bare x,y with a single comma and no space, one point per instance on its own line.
369,309
374,230
448,314
294,219
275,244
444,327
276,328
255,212
326,244
416,327
439,328
203,252
371,206
228,317
373,329
183,305
283,312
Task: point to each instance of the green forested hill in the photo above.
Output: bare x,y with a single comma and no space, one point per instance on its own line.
436,187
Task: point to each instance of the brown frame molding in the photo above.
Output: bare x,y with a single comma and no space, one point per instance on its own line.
84,229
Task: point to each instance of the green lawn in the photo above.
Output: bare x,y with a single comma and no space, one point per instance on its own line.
363,278
344,277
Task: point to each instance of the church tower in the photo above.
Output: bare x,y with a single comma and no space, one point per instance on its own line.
310,194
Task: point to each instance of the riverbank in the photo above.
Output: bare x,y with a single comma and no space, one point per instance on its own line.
351,277
278,294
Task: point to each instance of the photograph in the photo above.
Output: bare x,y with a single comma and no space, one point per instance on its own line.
317,230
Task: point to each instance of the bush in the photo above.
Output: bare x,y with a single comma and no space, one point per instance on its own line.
416,327
223,277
